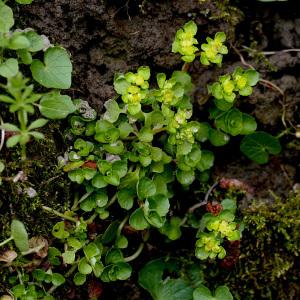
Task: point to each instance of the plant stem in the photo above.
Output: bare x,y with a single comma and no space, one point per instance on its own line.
197,205
57,213
22,115
112,200
6,241
135,254
122,224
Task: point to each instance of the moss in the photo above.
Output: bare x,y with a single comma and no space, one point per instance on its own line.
269,266
43,175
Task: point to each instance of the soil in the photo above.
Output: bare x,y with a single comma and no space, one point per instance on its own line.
105,37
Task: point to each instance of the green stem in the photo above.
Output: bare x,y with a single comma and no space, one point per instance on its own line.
281,134
6,241
68,274
112,200
92,218
122,224
135,254
22,115
57,213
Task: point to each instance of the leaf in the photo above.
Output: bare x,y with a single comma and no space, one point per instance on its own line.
69,257
207,160
112,111
218,138
56,106
252,77
13,141
229,204
257,146
79,279
146,188
9,68
20,235
114,256
161,78
84,267
91,250
223,293
185,177
126,198
249,124
37,124
202,293
9,127
55,71
6,18
137,220
145,135
120,84
151,279
57,279
36,41
24,1
110,233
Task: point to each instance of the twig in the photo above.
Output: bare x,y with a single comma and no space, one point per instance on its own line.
271,52
197,205
57,213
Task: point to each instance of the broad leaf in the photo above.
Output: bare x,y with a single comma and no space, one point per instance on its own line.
55,71
6,18
257,146
9,68
56,106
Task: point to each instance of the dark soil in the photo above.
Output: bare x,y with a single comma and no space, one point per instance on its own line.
105,37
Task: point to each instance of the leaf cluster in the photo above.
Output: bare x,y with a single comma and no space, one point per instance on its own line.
218,227
20,50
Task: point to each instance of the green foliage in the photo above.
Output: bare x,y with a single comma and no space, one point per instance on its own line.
239,81
19,235
270,251
130,162
185,40
219,226
203,293
17,50
214,49
151,279
257,146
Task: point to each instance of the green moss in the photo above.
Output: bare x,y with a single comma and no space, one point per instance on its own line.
44,176
269,265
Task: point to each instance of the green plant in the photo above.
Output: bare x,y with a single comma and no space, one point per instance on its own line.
219,226
17,49
19,235
145,145
188,286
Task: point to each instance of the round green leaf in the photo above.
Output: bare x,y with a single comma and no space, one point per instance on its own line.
55,71
6,18
57,279
84,267
185,177
56,106
137,220
222,293
9,68
146,188
202,293
79,279
257,146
